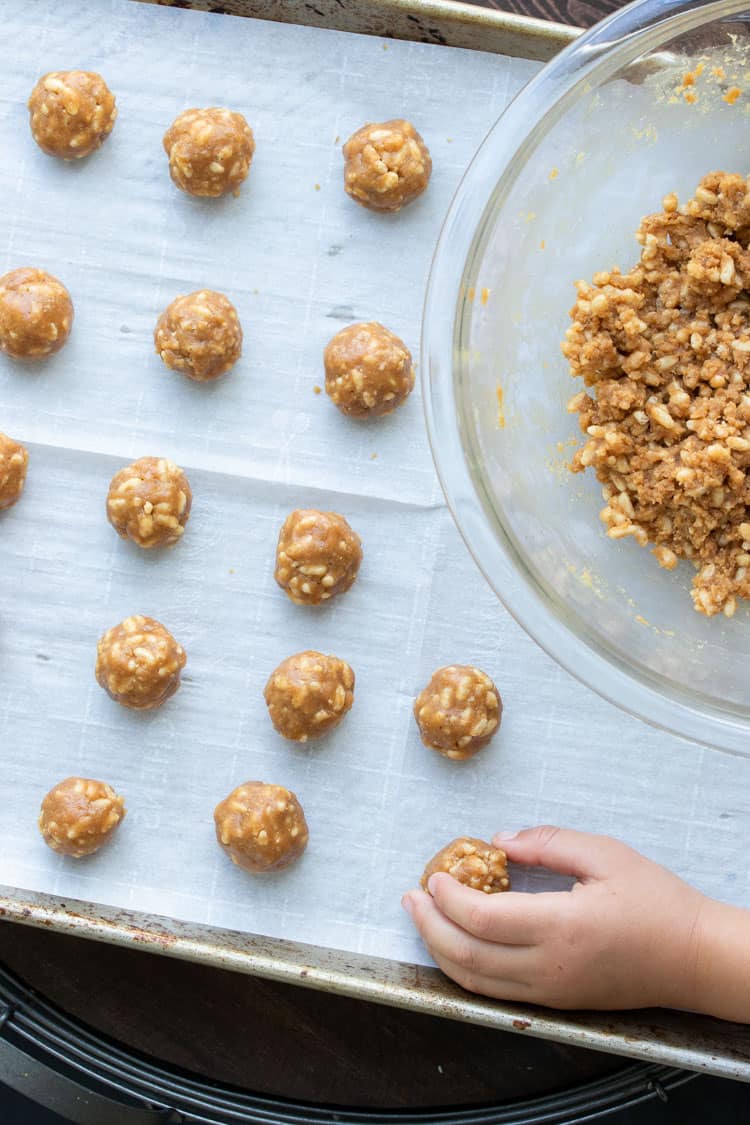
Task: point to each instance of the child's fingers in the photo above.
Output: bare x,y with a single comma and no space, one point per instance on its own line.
483,985
510,917
561,849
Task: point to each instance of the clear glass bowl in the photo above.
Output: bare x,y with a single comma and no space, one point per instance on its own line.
589,146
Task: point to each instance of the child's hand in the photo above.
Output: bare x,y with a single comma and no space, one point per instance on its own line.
628,935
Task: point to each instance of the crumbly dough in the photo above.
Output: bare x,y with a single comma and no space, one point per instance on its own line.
261,827
386,166
14,460
318,556
209,151
149,502
200,335
72,113
309,694
459,711
138,663
665,349
36,313
473,862
369,370
79,815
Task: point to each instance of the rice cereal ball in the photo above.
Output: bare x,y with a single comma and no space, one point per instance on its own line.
386,166
79,815
369,370
309,694
36,313
149,502
14,460
138,663
209,151
199,335
472,862
458,712
318,556
261,827
72,113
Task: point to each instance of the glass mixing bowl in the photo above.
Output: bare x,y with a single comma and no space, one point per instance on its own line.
645,103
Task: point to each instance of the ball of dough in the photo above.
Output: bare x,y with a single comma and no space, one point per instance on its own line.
309,694
149,502
472,862
386,166
72,113
14,460
369,371
209,150
199,335
459,711
261,827
79,815
317,556
138,663
36,313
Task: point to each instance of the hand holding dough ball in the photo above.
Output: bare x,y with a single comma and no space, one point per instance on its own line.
209,151
14,460
473,862
261,827
318,556
386,166
369,370
72,113
149,502
79,815
199,335
36,313
138,663
458,712
309,694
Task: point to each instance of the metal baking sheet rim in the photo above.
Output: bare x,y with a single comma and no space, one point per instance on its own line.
672,1038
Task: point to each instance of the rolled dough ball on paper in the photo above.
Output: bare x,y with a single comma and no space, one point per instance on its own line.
209,151
369,370
386,166
199,335
14,460
79,815
459,711
261,827
309,694
318,556
472,862
149,502
72,112
138,663
36,313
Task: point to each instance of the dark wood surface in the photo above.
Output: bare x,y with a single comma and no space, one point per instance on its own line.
580,13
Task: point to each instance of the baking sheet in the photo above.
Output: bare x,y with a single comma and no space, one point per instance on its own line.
299,260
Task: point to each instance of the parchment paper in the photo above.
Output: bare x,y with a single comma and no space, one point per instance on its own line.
299,260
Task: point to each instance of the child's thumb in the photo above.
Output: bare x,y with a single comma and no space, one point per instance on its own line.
561,849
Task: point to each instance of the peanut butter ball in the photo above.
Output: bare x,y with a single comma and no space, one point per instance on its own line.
261,827
149,502
473,862
200,335
309,694
79,815
459,711
209,151
386,166
36,313
72,113
317,556
14,459
369,371
138,663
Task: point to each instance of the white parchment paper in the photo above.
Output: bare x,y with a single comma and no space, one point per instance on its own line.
299,260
